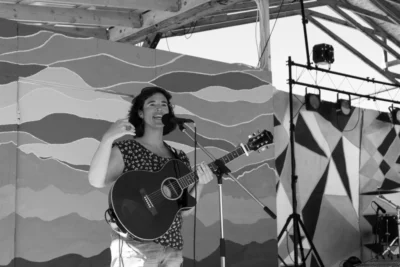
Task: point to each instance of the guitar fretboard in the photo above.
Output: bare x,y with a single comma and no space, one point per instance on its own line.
191,178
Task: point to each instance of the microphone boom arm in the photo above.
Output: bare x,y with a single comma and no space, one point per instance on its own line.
265,208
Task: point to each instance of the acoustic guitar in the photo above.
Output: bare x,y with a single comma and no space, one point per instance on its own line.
144,204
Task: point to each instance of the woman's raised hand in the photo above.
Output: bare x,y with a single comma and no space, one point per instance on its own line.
118,129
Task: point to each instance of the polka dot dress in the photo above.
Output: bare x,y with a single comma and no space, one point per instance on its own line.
137,157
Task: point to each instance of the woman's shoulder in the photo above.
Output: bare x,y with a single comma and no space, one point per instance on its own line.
131,142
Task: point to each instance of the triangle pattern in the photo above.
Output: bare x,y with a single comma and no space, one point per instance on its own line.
343,206
331,223
384,117
387,142
376,132
276,121
319,136
389,184
309,168
328,111
330,133
334,185
314,262
340,162
351,156
352,130
312,208
280,161
285,207
304,137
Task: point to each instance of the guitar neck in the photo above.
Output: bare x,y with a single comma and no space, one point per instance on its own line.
191,178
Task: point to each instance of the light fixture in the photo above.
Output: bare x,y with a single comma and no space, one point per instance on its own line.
395,113
313,101
323,54
343,105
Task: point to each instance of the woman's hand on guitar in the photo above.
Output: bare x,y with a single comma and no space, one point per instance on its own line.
205,174
120,128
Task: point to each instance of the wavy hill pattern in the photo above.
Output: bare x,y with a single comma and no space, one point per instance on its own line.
59,94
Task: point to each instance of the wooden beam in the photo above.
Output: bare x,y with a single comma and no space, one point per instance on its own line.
157,5
388,9
163,21
360,27
239,7
396,75
353,50
208,27
72,16
392,63
283,11
252,5
225,20
386,35
99,33
364,12
241,20
264,57
152,41
394,1
345,23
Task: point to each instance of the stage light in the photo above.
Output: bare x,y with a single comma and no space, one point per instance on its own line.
395,113
313,101
343,105
323,54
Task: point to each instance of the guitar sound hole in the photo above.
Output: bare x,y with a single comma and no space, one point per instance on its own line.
171,189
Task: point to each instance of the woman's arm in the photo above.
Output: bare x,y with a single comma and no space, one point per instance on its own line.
107,162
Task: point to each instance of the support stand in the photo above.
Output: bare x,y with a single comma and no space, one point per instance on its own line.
295,216
221,170
398,225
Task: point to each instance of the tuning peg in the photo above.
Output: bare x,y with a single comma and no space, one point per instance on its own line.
250,136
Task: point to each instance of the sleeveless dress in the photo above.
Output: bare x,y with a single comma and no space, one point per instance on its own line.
138,157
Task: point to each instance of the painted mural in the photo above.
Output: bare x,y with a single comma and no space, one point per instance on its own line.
379,168
327,149
59,94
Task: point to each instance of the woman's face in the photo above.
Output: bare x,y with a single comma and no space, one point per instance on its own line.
154,108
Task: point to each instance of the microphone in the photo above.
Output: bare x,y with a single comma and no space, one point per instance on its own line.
169,118
379,207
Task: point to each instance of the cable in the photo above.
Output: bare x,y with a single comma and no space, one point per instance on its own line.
358,119
269,37
166,40
191,28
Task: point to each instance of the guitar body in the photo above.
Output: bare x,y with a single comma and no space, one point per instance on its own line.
145,203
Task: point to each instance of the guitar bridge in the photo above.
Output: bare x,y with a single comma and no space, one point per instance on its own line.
148,203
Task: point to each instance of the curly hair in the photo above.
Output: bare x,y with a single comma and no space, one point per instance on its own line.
137,105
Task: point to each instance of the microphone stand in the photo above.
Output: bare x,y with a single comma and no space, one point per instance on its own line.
221,170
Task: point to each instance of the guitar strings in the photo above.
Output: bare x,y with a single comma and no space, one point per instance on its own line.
157,195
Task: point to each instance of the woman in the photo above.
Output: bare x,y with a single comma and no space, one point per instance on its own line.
146,150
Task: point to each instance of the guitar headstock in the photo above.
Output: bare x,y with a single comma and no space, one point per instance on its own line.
259,140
